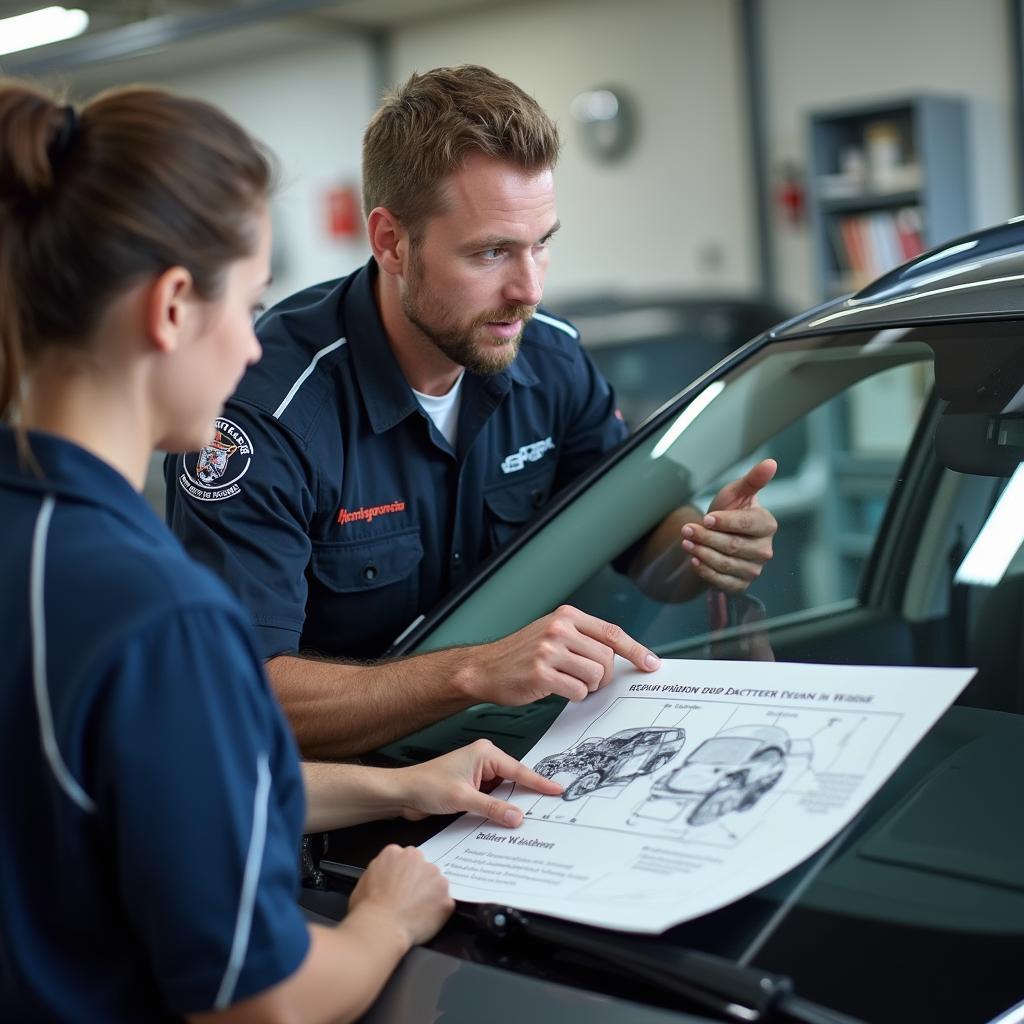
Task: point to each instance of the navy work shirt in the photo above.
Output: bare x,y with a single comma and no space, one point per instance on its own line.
331,503
150,796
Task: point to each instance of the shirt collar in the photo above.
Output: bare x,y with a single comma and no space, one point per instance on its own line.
386,392
74,474
521,371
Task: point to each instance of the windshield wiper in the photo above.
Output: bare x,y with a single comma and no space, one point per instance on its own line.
732,991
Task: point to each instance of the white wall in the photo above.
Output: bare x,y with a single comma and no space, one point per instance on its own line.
677,212
822,53
310,105
308,99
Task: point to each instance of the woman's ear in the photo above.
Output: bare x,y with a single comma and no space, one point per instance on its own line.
169,308
389,241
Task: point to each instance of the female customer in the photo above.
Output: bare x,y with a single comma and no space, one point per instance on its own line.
151,800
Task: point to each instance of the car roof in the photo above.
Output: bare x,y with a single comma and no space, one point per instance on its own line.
974,277
643,728
765,733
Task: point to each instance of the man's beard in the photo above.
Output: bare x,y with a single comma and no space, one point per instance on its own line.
471,346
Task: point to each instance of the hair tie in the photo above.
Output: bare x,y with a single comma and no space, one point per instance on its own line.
65,138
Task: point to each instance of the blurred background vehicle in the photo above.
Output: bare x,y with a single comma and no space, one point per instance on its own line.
651,346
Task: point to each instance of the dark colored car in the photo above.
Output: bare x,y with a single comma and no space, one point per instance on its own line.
911,394
649,345
597,762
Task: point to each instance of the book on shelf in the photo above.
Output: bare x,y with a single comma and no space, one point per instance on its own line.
866,245
910,229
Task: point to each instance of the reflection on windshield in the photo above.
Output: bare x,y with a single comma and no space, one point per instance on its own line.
999,540
687,417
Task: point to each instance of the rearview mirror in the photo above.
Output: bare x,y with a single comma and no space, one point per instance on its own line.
980,443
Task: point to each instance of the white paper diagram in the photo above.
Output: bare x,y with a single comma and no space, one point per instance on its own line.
700,763
693,786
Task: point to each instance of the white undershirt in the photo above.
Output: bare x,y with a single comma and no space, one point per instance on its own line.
444,409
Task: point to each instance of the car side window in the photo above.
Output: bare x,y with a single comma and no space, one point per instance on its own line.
829,498
838,464
838,412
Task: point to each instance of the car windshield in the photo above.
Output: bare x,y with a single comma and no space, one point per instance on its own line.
723,750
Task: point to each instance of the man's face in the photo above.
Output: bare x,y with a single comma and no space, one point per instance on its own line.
476,274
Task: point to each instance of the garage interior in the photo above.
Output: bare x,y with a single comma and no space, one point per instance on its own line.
716,156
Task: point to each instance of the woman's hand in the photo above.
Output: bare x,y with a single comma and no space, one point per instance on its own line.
462,781
402,890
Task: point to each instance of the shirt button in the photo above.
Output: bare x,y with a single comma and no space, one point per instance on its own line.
456,557
370,572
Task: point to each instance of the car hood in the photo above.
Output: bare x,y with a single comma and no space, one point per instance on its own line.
571,760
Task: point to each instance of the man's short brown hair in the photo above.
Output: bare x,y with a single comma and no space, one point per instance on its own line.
426,128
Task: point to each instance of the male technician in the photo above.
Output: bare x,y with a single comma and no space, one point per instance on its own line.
405,420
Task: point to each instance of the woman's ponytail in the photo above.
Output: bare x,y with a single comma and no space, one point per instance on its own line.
137,181
32,127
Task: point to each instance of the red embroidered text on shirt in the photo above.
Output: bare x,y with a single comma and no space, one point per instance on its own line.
370,512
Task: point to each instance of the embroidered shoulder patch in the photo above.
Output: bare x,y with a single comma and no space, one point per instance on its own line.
212,474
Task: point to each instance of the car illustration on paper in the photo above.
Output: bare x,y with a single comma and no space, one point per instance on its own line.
598,761
728,772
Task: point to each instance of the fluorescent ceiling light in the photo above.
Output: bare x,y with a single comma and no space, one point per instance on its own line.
37,28
1000,537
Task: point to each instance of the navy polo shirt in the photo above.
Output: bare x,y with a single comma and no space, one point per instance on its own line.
150,797
331,503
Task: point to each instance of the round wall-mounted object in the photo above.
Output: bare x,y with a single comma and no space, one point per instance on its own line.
606,122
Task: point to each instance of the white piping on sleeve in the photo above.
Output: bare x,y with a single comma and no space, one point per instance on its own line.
37,627
293,390
560,324
250,883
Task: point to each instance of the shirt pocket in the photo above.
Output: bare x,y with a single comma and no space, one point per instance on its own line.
512,504
348,567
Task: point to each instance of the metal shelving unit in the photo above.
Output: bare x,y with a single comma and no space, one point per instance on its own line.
888,180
